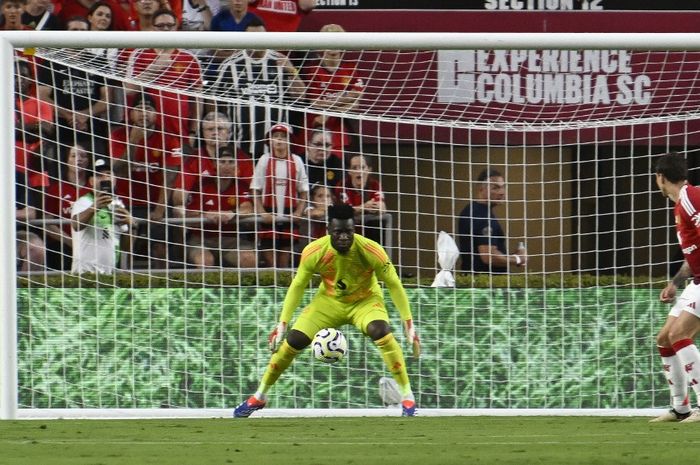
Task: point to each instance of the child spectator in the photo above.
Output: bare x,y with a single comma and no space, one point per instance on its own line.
280,186
320,199
220,205
101,224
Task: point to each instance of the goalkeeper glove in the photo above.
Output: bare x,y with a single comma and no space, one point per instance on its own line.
276,336
412,338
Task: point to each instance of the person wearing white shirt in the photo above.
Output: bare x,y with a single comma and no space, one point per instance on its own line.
100,224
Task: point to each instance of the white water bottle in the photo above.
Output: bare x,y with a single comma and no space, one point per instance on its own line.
520,253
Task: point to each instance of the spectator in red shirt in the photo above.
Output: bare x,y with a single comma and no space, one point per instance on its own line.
34,128
281,15
364,192
143,154
220,204
66,188
332,85
73,8
178,70
215,134
146,162
143,11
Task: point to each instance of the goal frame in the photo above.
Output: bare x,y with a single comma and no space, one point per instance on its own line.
10,40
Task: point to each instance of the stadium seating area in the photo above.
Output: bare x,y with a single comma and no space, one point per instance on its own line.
192,206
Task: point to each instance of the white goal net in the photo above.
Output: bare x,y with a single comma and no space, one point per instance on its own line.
223,160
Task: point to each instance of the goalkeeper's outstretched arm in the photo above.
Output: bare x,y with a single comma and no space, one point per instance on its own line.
398,295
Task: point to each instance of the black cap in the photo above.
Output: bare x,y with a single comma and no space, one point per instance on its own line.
144,100
101,165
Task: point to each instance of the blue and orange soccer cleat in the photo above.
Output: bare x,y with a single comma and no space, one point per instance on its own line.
408,408
248,406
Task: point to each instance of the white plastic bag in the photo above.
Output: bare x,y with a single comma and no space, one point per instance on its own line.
448,253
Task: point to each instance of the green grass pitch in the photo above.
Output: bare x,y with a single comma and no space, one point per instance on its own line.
405,441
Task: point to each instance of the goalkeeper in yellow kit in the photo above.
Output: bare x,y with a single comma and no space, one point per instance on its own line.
349,265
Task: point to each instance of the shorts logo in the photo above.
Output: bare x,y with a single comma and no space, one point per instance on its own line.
341,285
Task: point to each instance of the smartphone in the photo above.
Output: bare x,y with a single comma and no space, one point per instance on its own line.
106,186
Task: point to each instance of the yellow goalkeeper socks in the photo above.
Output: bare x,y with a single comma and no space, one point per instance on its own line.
279,362
393,358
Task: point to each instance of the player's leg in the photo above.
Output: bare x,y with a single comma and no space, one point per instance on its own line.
317,315
295,342
372,319
681,334
674,371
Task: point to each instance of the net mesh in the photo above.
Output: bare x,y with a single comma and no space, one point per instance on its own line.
191,279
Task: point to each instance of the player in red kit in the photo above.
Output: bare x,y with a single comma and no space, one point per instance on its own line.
679,354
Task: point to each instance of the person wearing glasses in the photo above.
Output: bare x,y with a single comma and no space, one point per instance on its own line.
322,166
143,14
174,69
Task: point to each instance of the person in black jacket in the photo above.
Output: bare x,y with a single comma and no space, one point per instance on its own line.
482,242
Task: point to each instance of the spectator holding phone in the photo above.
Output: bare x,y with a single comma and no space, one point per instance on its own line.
101,224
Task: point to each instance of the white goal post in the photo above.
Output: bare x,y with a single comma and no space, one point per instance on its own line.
495,129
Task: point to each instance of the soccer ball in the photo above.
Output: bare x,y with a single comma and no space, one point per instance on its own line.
329,345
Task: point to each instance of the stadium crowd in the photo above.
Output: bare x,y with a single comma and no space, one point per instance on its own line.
196,144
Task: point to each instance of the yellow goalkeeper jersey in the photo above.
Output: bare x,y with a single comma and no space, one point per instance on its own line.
348,278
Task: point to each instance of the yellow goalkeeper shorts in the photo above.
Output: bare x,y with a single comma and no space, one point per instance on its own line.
326,312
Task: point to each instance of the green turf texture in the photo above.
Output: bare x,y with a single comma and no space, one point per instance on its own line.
481,348
405,441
